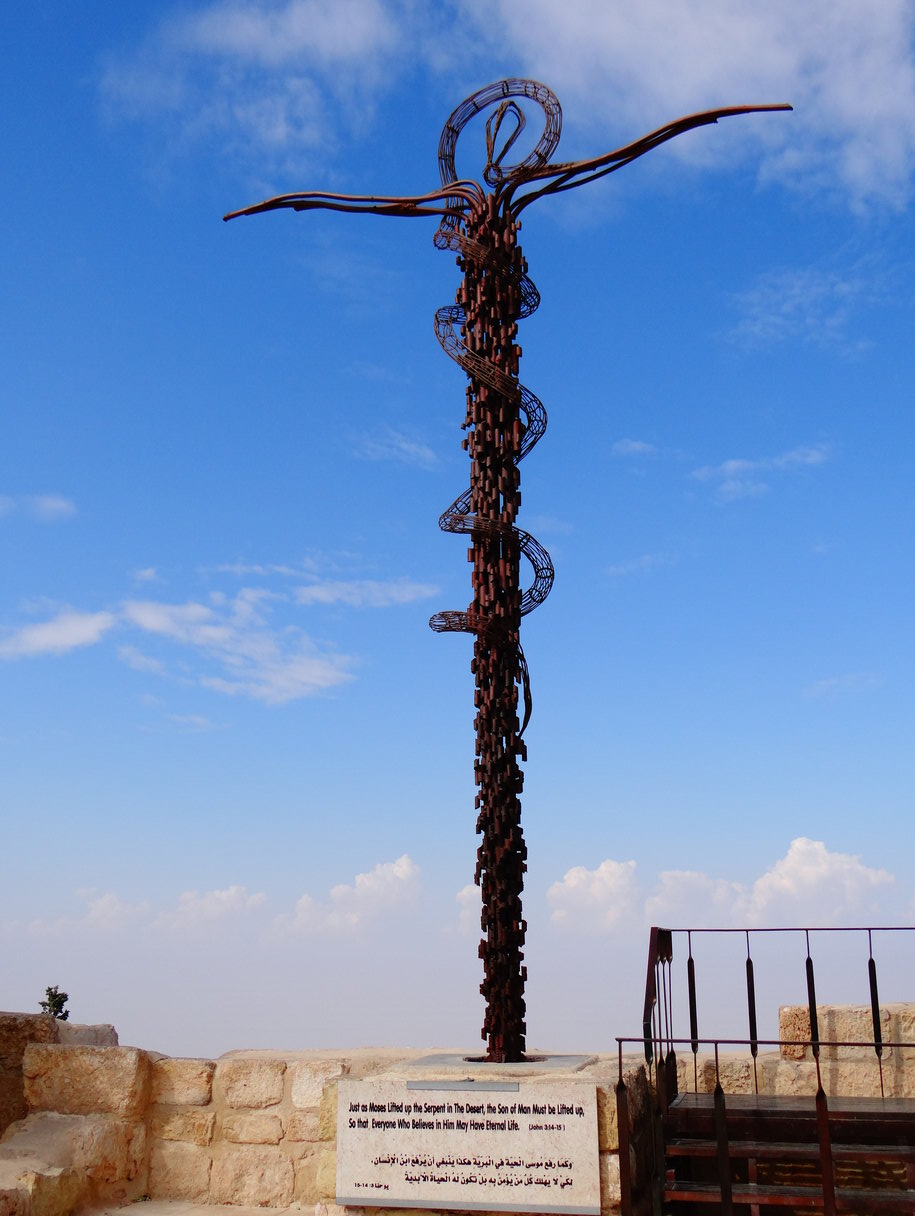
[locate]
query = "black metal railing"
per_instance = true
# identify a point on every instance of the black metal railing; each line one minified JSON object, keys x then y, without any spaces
{"x":660,"y":1040}
{"x":658,"y":1028}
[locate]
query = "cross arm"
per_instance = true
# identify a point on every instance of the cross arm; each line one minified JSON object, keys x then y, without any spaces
{"x":577,"y":173}
{"x":454,"y":199}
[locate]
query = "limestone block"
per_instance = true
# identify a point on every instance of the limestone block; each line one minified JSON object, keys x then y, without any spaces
{"x":326,"y":1177}
{"x":252,"y":1175}
{"x":247,"y":1082}
{"x":309,"y":1077}
{"x":327,"y":1114}
{"x":19,"y":1029}
{"x":793,"y":1023}
{"x":100,"y":1147}
{"x":734,"y":1072}
{"x":249,"y":1127}
{"x":306,"y":1174}
{"x":303,"y":1125}
{"x":610,"y":1189}
{"x":850,"y":1023}
{"x":101,"y":1035}
{"x":607,"y":1123}
{"x":54,"y":1190}
{"x":837,"y":1024}
{"x":179,"y":1171}
{"x":182,"y":1082}
{"x":86,"y":1080}
{"x":193,"y":1125}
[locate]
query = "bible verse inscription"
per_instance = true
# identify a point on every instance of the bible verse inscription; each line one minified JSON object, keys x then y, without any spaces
{"x":516,"y":1147}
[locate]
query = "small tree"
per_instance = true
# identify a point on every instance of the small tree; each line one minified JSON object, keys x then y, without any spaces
{"x":55,"y":1003}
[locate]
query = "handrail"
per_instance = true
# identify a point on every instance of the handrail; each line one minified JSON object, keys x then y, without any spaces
{"x":658,"y":1031}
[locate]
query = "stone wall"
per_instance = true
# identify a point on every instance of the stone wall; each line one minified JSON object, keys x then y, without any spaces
{"x":115,"y":1124}
{"x":17,"y":1030}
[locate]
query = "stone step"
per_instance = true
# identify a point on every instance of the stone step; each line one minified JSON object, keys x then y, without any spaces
{"x":30,"y":1187}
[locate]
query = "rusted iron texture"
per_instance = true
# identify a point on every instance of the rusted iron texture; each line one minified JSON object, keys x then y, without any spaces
{"x":504,"y":420}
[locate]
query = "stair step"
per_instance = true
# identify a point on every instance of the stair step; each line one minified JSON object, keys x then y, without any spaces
{"x":686,"y":1147}
{"x":847,"y":1200}
{"x":746,"y":1192}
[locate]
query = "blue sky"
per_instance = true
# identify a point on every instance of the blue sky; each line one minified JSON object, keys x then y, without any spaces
{"x":236,"y":765}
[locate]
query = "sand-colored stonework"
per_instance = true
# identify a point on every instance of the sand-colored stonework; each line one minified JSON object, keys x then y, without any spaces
{"x":252,"y":1128}
{"x":110,"y":1125}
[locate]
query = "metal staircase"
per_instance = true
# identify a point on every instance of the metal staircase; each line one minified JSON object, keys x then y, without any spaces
{"x":717,"y":1153}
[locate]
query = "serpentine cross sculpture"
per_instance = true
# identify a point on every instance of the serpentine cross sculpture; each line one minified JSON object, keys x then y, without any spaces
{"x":504,"y":420}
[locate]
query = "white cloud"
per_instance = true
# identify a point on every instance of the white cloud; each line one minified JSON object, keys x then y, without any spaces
{"x":392,"y":445}
{"x":689,"y":897}
{"x":48,"y":508}
{"x":812,"y":885}
{"x":808,"y":886}
{"x":67,"y":631}
{"x":470,"y":908}
{"x":594,"y":901}
{"x":633,"y":447}
{"x":140,"y":662}
{"x":274,"y":666}
{"x":364,"y":593}
{"x":275,"y":80}
{"x":147,"y":575}
{"x":103,"y":911}
{"x":193,"y":723}
{"x":243,"y":569}
{"x":740,"y":478}
{"x":798,"y":457}
{"x":246,"y":644}
{"x":271,"y":82}
{"x":321,"y":32}
{"x":109,"y":911}
{"x":51,"y":507}
{"x":389,"y":886}
{"x":847,"y":67}
{"x":196,"y":909}
{"x":805,"y":304}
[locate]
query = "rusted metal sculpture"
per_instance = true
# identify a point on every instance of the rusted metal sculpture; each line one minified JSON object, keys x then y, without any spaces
{"x":504,"y":420}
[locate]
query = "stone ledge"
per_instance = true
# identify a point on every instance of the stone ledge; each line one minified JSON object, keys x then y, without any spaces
{"x":86,"y":1080}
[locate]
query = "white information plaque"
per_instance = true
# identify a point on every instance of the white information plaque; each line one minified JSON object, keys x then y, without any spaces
{"x":472,"y":1145}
